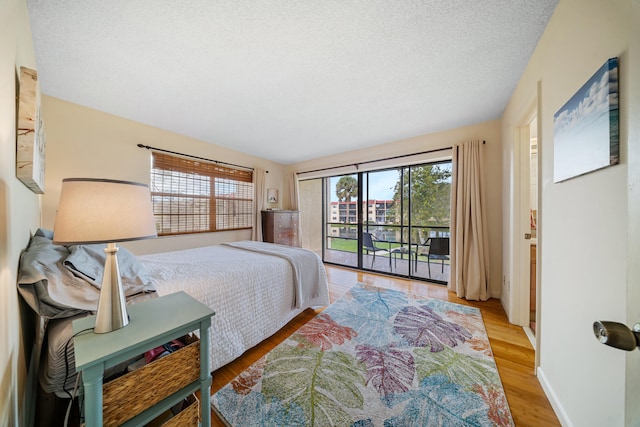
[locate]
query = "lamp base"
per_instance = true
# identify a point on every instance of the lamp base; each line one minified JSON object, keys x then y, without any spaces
{"x":112,"y":305}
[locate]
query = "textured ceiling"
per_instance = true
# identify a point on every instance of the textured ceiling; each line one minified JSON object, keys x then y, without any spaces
{"x":288,"y":80}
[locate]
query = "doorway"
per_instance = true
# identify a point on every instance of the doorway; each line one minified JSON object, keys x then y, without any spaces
{"x":527,"y":232}
{"x":533,"y":223}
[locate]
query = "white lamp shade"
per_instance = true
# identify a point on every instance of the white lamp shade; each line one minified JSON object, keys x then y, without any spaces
{"x":103,"y":211}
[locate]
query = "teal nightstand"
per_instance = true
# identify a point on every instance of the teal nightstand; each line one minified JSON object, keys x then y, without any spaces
{"x":152,"y":324}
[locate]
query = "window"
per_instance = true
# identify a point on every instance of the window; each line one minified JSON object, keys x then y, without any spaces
{"x":192,"y":196}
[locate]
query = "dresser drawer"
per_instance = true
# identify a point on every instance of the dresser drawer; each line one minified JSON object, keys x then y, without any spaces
{"x":286,"y":222}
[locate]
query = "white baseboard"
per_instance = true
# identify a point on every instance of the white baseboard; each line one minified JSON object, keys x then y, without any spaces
{"x":553,"y":399}
{"x":529,"y":333}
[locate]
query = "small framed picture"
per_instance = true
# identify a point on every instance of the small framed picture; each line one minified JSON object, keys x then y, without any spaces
{"x":272,"y":195}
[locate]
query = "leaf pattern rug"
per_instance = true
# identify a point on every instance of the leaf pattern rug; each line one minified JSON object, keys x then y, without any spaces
{"x":375,"y":357}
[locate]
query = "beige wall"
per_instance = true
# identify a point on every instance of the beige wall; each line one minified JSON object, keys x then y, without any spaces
{"x":19,"y":213}
{"x":489,"y":131}
{"x":583,"y":221}
{"x":82,"y":142}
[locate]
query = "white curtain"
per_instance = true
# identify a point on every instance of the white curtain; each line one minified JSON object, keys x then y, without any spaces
{"x":258,"y":203}
{"x":294,"y":199}
{"x":294,"y":191}
{"x":469,"y":245}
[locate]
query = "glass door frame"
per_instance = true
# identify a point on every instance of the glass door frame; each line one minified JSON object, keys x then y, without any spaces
{"x":362,"y":223}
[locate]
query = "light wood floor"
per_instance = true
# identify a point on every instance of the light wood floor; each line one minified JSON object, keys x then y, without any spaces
{"x":512,"y":350}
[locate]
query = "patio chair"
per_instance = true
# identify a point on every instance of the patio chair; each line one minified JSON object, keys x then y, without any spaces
{"x":437,"y":248}
{"x":368,"y":245}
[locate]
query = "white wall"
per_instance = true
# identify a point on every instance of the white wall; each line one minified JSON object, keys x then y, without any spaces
{"x":19,"y":211}
{"x":82,"y":142}
{"x":489,"y":131}
{"x":582,"y":221}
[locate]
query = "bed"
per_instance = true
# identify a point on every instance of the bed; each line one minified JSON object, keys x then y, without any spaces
{"x":255,"y":289}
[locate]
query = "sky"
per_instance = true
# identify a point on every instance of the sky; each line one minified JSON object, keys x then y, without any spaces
{"x":381,"y":185}
{"x":592,"y":100}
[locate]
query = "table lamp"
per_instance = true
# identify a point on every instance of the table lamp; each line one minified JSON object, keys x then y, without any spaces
{"x":105,"y":211}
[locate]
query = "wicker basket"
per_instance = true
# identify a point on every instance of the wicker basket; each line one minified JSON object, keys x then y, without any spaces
{"x":188,"y":417}
{"x":131,"y":394}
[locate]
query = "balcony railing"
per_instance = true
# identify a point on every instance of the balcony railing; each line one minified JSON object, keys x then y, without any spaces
{"x":405,"y":246}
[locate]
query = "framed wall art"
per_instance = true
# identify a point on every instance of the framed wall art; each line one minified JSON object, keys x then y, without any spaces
{"x":272,"y":195}
{"x":586,"y":136}
{"x":30,"y":145}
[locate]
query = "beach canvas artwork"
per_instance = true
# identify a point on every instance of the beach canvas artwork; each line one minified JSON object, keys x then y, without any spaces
{"x":586,"y":127}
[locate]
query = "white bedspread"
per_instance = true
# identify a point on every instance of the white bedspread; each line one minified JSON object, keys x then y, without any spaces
{"x":309,"y":275}
{"x":250,"y":292}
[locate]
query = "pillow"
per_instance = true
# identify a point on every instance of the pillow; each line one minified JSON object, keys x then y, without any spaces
{"x":55,"y":291}
{"x":87,"y":262}
{"x":44,"y":233}
{"x":51,"y":290}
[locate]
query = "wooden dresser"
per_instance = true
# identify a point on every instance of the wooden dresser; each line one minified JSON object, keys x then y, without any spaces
{"x":281,"y":227}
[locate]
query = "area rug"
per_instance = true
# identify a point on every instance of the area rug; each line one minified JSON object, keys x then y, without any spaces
{"x":375,"y":357}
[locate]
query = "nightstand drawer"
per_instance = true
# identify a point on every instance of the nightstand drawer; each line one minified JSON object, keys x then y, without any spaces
{"x":129,"y":395}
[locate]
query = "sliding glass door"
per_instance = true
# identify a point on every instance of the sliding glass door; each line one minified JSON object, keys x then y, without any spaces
{"x":381,"y":224}
{"x":427,"y":211}
{"x":394,"y":221}
{"x":341,"y":209}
